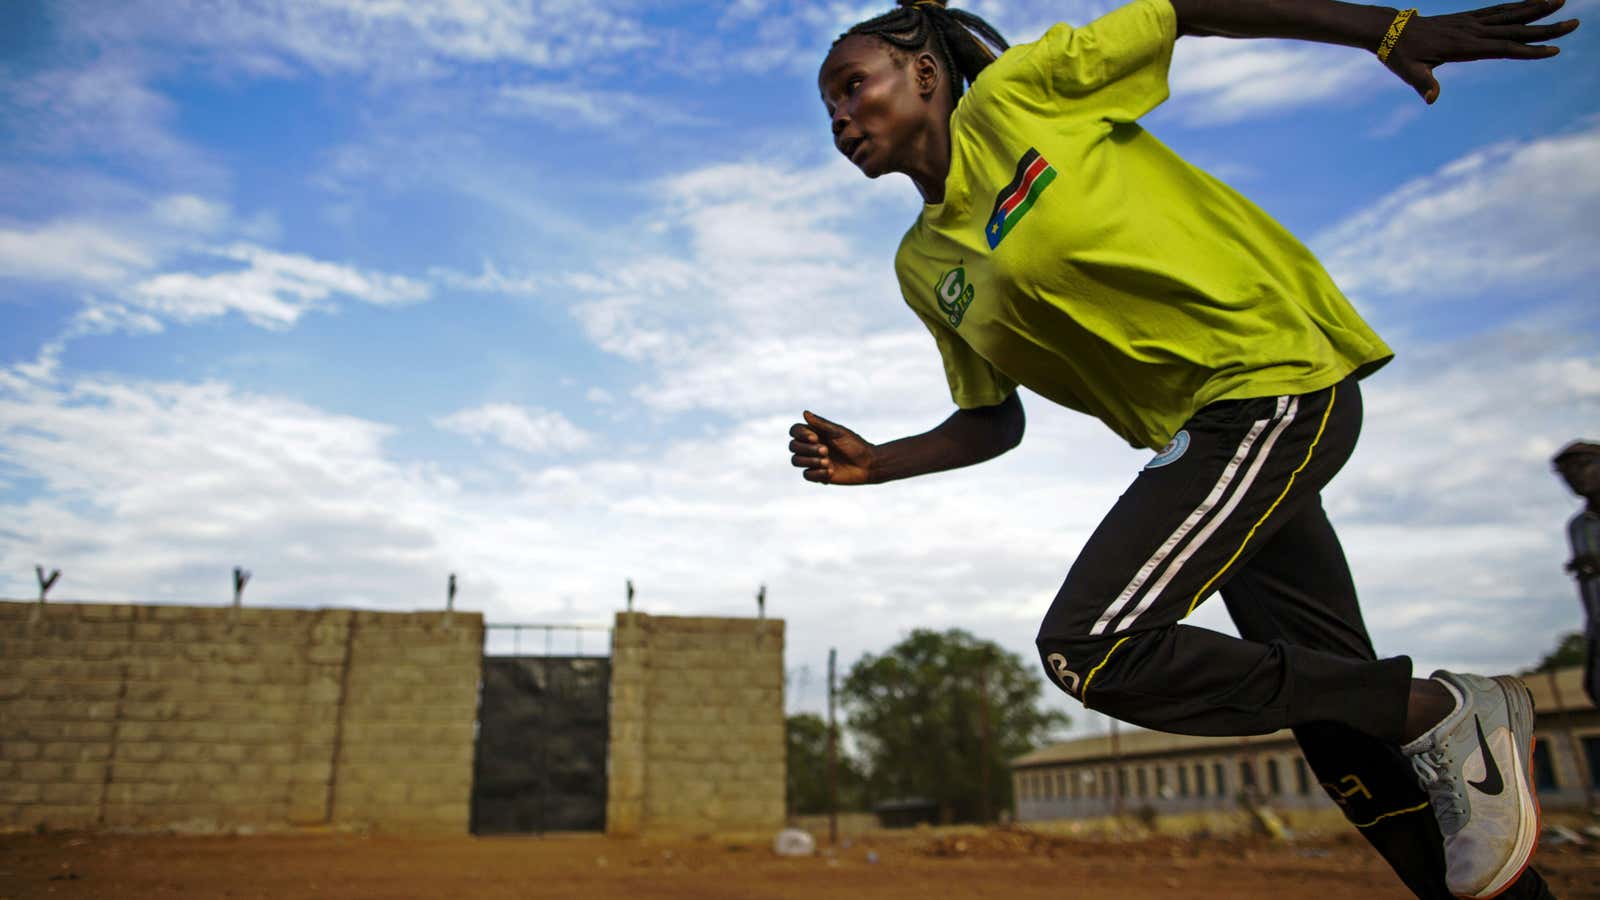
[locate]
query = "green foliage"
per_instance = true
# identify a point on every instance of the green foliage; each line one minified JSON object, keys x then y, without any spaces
{"x":807,"y":737}
{"x":1570,"y":650}
{"x":917,"y":714}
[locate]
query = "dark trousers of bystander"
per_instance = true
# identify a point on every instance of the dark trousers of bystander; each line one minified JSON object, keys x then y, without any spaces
{"x":1234,"y":505}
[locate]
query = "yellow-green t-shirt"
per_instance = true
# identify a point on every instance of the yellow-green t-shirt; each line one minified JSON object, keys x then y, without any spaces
{"x":1077,"y":255}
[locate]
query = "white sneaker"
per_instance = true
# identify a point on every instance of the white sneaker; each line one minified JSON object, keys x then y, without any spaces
{"x":1475,"y":766}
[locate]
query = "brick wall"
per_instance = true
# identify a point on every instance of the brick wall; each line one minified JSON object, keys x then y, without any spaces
{"x":206,"y":718}
{"x":697,"y":738}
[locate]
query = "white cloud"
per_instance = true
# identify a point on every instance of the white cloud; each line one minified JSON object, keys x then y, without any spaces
{"x":530,"y":430}
{"x":1396,"y":121}
{"x":273,"y":291}
{"x":71,"y":251}
{"x":1459,"y":435}
{"x":1220,"y":80}
{"x":573,"y":105}
{"x":781,"y":288}
{"x":1451,"y":514}
{"x":491,"y":281}
{"x":189,"y":213}
{"x":154,"y":490}
{"x":107,"y":248}
{"x":118,"y":255}
{"x":102,"y":108}
{"x":394,"y":40}
{"x":1510,"y":217}
{"x":81,"y":105}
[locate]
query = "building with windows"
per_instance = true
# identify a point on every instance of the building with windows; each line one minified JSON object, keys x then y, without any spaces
{"x":1140,"y":772}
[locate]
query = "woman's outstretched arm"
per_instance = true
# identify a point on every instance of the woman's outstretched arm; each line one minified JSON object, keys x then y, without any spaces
{"x":1424,"y":42}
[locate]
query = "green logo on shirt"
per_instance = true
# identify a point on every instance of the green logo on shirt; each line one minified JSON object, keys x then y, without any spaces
{"x":954,"y":295}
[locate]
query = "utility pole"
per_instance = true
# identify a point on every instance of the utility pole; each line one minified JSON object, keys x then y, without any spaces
{"x":983,"y":730}
{"x":833,"y":765}
{"x":1117,"y":779}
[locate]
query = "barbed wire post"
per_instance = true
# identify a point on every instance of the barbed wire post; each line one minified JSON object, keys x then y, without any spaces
{"x":46,"y":582}
{"x":450,"y":601}
{"x":240,"y":579}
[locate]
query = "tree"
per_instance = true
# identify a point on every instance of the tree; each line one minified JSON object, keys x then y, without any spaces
{"x":1571,"y":650}
{"x":807,"y":738}
{"x":917,"y":713}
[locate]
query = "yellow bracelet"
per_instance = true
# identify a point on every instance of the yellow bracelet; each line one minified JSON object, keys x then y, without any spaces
{"x":1395,"y":27}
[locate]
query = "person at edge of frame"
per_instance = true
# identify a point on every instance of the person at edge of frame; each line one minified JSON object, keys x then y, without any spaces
{"x":1578,"y":464}
{"x":1063,"y":248}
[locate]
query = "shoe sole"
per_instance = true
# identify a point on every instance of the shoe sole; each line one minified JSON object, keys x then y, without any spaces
{"x":1519,"y":715}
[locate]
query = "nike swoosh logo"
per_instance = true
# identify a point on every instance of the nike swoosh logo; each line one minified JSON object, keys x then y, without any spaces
{"x":1492,"y":783}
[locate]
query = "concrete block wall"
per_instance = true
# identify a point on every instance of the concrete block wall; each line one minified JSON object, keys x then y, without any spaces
{"x":697,"y":734}
{"x":410,"y":704}
{"x":204,"y":718}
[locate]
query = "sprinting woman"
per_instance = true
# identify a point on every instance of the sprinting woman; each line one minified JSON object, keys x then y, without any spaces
{"x":1063,"y":248}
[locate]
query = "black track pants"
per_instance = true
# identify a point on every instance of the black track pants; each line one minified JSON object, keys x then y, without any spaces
{"x":1234,"y":505}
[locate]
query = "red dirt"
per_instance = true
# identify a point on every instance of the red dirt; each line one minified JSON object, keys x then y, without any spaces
{"x":1001,"y":864}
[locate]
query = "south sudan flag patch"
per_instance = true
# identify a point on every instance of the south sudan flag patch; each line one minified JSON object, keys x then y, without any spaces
{"x":1034,"y":174}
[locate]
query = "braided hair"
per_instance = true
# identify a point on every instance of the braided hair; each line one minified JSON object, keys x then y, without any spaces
{"x":964,"y":42}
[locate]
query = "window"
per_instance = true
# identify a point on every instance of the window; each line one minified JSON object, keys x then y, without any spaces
{"x":1247,"y":774}
{"x":1274,"y":785}
{"x":1544,"y":770}
{"x":1199,"y":779}
{"x":1183,"y":781}
{"x":1061,"y":785}
{"x":1219,"y":783}
{"x":1591,"y":752}
{"x":1139,"y":774}
{"x":1302,"y":775}
{"x":1161,"y":781}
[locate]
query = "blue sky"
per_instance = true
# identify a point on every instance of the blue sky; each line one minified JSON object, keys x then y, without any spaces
{"x":357,"y":294}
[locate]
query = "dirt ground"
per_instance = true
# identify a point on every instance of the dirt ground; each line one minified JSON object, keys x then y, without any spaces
{"x":919,"y":865}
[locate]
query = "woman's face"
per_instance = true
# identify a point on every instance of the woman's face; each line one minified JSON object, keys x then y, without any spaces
{"x":877,"y":102}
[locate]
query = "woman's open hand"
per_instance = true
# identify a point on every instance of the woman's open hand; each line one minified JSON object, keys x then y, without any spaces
{"x":1494,"y":32}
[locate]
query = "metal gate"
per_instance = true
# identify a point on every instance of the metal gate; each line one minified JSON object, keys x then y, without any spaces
{"x":542,"y":736}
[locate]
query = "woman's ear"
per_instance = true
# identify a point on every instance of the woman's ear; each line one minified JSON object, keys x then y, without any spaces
{"x":927,"y":72}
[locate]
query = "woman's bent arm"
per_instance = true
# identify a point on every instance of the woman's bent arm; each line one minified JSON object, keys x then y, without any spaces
{"x":832,"y":454}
